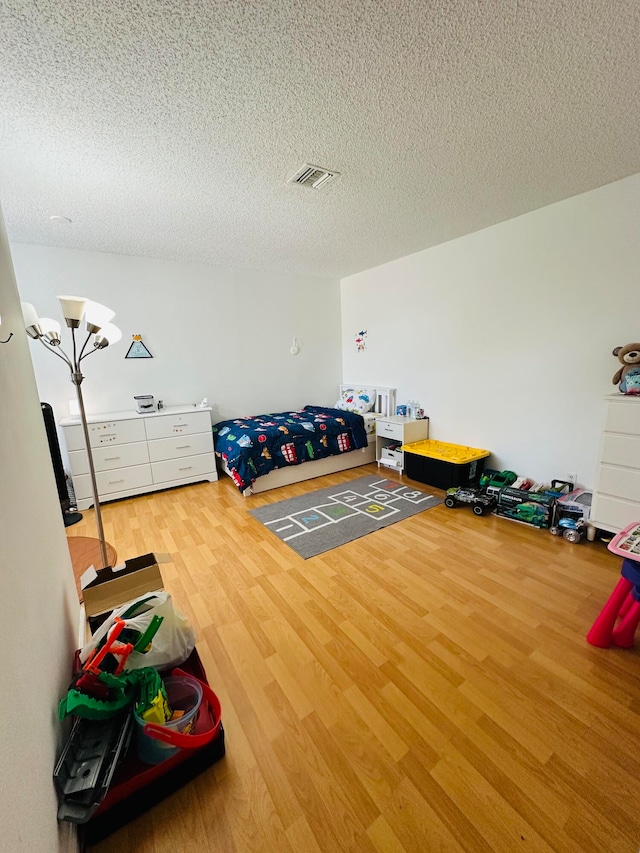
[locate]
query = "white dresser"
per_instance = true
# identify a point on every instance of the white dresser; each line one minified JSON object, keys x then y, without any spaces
{"x":616,"y":497}
{"x":134,"y":454}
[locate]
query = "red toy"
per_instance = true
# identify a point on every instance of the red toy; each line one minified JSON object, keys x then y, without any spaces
{"x":120,"y":651}
{"x":624,"y":601}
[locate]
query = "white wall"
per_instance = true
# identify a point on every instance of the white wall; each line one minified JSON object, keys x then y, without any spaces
{"x":38,"y":601}
{"x":505,"y":335}
{"x":220,"y":333}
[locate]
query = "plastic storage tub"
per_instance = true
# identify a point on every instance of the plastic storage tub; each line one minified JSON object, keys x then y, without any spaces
{"x":184,"y":694}
{"x":443,"y":465}
{"x":132,"y":786}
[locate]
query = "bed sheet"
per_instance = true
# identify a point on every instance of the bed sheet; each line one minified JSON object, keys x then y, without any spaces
{"x":252,"y":447}
{"x":370,"y":419}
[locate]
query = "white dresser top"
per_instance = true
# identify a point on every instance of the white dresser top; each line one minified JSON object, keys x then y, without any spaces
{"x":133,"y":415}
{"x":623,"y":398}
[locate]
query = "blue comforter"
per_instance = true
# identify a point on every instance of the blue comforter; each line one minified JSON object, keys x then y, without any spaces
{"x":254,"y":446}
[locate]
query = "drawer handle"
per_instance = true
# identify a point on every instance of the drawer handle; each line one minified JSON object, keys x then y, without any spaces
{"x":111,"y":482}
{"x":188,"y":468}
{"x":111,"y":458}
{"x":182,"y":446}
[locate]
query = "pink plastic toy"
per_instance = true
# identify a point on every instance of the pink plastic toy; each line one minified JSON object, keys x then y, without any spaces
{"x":624,"y":601}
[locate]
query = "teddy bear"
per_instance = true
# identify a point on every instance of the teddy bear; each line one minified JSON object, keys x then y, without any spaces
{"x":629,"y":374}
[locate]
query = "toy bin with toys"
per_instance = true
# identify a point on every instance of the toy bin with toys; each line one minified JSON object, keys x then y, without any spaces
{"x":443,"y":465}
{"x":138,"y":673}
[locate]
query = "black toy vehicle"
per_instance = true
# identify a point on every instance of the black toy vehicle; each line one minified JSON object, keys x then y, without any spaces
{"x":480,"y":502}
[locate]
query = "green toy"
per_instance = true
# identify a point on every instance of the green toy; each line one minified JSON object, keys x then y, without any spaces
{"x":109,"y":693}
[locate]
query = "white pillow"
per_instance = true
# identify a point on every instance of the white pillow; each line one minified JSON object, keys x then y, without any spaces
{"x":356,"y":400}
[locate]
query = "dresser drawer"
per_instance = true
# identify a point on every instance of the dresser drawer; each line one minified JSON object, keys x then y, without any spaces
{"x":109,"y":458}
{"x":619,"y":482}
{"x":104,"y":434}
{"x":82,"y":488}
{"x":181,"y":469}
{"x":387,"y":429}
{"x":111,"y":482}
{"x":124,"y":479}
{"x":78,"y":463}
{"x":624,"y":417}
{"x":613,"y":513}
{"x":169,"y":426}
{"x":73,"y":437}
{"x":621,"y":450}
{"x":180,"y":446}
{"x":113,"y":432}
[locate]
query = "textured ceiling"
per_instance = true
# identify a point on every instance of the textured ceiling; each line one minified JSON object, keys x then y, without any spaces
{"x":168,"y":129}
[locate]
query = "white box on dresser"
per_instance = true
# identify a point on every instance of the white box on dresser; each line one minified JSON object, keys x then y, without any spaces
{"x":616,"y":497}
{"x":138,"y":453}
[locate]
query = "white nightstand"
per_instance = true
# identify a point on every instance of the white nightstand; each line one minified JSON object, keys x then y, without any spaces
{"x":395,"y":430}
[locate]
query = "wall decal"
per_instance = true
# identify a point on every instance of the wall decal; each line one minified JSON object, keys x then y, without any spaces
{"x":361,"y":341}
{"x":138,"y":349}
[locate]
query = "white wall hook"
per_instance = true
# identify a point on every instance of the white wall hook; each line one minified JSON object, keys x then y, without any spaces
{"x":295,"y":349}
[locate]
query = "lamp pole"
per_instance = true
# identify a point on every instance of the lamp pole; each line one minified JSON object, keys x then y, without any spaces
{"x":77,"y":378}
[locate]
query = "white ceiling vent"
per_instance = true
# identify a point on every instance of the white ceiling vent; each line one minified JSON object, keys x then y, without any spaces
{"x":313,"y":176}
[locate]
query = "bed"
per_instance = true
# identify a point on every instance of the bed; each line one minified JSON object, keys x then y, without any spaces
{"x":268,"y":451}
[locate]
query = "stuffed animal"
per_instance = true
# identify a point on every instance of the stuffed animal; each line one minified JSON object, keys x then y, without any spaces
{"x":629,"y":374}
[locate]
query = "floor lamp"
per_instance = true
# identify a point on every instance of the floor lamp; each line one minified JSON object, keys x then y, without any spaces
{"x":98,"y":327}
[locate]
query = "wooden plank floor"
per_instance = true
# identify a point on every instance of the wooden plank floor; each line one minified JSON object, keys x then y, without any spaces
{"x":425,"y":688}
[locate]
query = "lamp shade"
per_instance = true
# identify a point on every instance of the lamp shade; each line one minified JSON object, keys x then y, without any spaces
{"x":97,"y":315}
{"x":107,"y":336}
{"x":72,"y":309}
{"x":48,"y":325}
{"x":50,"y":329}
{"x":29,"y":314}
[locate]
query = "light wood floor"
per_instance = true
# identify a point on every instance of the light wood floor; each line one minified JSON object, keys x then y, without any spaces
{"x":425,"y":688}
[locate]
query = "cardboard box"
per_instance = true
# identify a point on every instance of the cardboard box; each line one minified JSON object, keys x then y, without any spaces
{"x":105,"y":589}
{"x":527,"y":507}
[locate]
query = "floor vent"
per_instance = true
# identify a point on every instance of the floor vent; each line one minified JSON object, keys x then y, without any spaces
{"x":313,"y":176}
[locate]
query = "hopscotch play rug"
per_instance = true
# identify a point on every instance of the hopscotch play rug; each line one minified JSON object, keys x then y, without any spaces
{"x":322,"y":520}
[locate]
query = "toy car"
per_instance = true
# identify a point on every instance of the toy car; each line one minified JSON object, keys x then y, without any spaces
{"x":485,"y":477}
{"x":572,"y":529}
{"x":500,"y":480}
{"x":481,"y":503}
{"x":571,"y":514}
